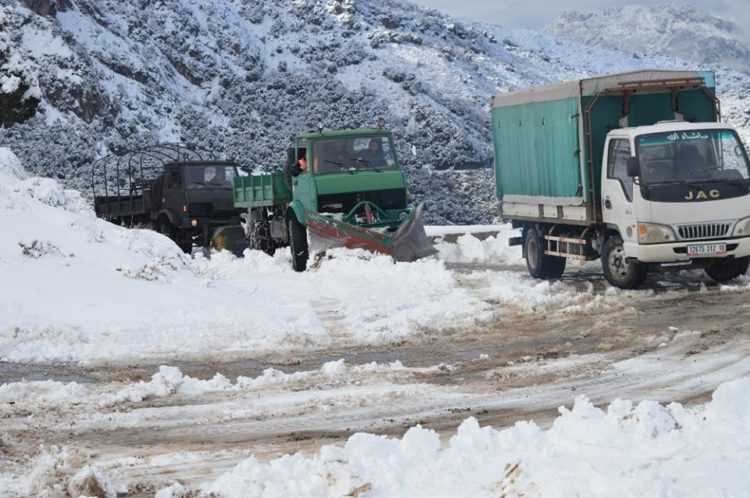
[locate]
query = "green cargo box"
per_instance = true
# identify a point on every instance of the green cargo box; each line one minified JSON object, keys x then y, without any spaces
{"x":261,"y":190}
{"x":549,"y":140}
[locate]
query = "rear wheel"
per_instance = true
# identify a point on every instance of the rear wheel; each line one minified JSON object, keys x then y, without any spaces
{"x":618,"y":270}
{"x":541,"y":265}
{"x":298,"y":245}
{"x":725,"y":269}
{"x":259,"y":232}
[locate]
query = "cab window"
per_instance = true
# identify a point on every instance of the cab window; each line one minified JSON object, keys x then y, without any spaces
{"x":619,"y":152}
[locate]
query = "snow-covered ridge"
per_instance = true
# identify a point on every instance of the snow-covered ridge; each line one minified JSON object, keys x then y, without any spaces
{"x":242,"y":78}
{"x":674,"y":30}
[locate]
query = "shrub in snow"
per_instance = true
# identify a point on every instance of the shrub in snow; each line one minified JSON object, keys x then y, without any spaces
{"x":36,"y":249}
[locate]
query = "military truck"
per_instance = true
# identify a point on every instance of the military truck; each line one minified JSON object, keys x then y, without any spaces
{"x":635,"y":169}
{"x":352,"y":194}
{"x":172,"y":189}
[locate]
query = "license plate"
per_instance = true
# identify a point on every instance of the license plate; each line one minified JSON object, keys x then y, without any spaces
{"x":706,"y":249}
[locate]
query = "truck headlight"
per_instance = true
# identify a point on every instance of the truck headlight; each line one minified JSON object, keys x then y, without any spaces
{"x":651,"y":233}
{"x":742,"y":228}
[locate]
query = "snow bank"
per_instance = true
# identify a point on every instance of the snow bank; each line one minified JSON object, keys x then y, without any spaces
{"x":626,"y":450}
{"x":170,"y":381}
{"x":77,"y":289}
{"x":45,"y":392}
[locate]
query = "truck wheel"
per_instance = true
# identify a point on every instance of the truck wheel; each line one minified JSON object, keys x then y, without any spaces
{"x":259,"y":232}
{"x":185,"y":242}
{"x":725,"y":269}
{"x":169,"y":230}
{"x":618,"y":270}
{"x":298,"y":245}
{"x":165,"y":228}
{"x":541,"y":265}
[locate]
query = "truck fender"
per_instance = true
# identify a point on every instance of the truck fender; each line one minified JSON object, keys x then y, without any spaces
{"x":167,"y":213}
{"x":295,"y":210}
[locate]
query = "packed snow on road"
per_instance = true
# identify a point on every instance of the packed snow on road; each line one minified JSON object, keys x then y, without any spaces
{"x":128,"y":368}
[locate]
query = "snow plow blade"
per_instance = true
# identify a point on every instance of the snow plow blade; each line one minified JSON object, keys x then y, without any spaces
{"x":410,"y":242}
{"x":403,"y":240}
{"x":230,"y":238}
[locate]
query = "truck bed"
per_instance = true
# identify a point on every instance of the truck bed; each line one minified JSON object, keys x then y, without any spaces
{"x":120,"y":206}
{"x":256,"y":191}
{"x":549,"y":141}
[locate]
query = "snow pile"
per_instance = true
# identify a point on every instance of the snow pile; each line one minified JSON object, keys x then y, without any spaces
{"x":628,"y":450}
{"x":167,"y":381}
{"x":493,"y":250}
{"x":170,"y":381}
{"x":42,"y":392}
{"x":11,"y":170}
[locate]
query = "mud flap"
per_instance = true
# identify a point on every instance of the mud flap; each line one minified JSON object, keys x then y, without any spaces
{"x":230,"y":238}
{"x":410,"y":242}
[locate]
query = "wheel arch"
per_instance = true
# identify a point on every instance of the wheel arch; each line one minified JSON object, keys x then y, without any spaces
{"x":296,"y":211}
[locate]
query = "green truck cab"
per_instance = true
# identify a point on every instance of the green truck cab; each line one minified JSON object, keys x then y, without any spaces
{"x":352,"y":193}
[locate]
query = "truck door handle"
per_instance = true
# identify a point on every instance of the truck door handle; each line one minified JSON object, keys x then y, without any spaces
{"x":608,"y":204}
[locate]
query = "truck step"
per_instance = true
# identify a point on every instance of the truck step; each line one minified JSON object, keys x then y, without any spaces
{"x":568,"y":247}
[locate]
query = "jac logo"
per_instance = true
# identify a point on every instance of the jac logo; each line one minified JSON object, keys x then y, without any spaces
{"x":701,"y":195}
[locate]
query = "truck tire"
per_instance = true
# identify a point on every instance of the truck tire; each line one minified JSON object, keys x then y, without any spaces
{"x":259,"y":232}
{"x":725,"y":269}
{"x":619,"y":271}
{"x":185,"y":242}
{"x":298,"y":245}
{"x":541,"y":265}
{"x":166,"y":228}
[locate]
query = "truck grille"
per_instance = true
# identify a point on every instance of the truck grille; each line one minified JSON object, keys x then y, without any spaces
{"x":704,"y":231}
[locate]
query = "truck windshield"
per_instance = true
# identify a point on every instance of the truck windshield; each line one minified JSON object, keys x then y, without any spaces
{"x":353,"y":154}
{"x":208,"y":175}
{"x":702,"y":156}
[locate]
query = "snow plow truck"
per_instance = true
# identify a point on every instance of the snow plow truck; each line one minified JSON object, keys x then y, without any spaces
{"x":340,"y":188}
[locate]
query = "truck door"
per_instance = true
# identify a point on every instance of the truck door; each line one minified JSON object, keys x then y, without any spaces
{"x":617,"y":190}
{"x":173,"y":197}
{"x":303,"y":185}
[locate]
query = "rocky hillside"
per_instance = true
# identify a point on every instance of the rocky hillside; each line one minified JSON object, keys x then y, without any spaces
{"x":677,"y":30}
{"x":86,"y":77}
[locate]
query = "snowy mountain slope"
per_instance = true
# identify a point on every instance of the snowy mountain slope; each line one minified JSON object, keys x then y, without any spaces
{"x":675,"y":30}
{"x":242,"y":77}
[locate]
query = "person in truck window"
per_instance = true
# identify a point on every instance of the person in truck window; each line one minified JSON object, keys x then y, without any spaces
{"x":301,"y":165}
{"x":333,"y":156}
{"x":374,"y":154}
{"x":690,"y":162}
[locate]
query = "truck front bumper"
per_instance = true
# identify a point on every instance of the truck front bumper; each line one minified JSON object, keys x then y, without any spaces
{"x":677,"y":252}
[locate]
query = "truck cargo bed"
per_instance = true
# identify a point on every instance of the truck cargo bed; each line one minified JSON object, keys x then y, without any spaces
{"x":549,"y":141}
{"x":120,"y":206}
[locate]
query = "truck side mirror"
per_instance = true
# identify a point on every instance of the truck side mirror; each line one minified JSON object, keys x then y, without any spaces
{"x":634,"y":167}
